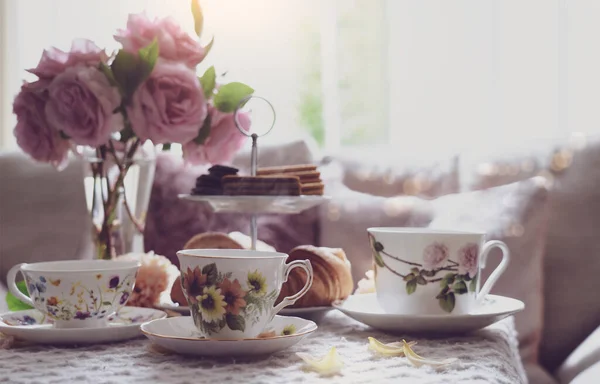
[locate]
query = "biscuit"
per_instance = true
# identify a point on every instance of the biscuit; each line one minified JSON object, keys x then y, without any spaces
{"x":261,"y":185}
{"x":312,"y":189}
{"x":285,"y":169}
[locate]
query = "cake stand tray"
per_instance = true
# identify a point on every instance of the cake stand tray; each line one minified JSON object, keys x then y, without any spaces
{"x":258,"y":204}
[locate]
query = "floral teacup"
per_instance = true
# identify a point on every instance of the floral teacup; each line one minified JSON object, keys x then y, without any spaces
{"x":231,"y":293}
{"x":421,"y":271}
{"x":77,"y":293}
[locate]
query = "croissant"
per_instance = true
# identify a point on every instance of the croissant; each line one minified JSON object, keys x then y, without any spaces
{"x":332,"y":279}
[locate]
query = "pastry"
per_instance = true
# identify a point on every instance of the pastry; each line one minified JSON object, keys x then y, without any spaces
{"x":310,"y":178}
{"x":210,"y":184}
{"x":312,"y":189}
{"x":212,"y":240}
{"x":177,"y":295}
{"x":261,"y":185}
{"x":332,"y":279}
{"x":286,"y":169}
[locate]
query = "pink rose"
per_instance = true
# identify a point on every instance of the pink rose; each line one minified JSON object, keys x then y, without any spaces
{"x":170,"y":106}
{"x":54,"y":61}
{"x":467,"y":259}
{"x":81,"y":105}
{"x":223,"y":142}
{"x":173,"y":43}
{"x":435,"y":256}
{"x":33,"y":133}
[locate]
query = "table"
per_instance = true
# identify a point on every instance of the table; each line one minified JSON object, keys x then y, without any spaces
{"x":487,"y":356}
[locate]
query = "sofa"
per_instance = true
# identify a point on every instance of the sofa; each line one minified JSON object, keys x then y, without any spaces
{"x":542,"y":199}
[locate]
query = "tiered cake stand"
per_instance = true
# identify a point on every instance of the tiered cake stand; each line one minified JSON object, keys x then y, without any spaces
{"x":255,"y":205}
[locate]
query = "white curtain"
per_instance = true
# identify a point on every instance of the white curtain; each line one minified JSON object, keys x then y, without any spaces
{"x":422,"y":76}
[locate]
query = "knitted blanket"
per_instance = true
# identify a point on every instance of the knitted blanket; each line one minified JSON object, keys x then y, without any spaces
{"x":487,"y":356}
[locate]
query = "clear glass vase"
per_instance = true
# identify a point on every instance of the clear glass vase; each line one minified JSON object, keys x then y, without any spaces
{"x":117,"y":194}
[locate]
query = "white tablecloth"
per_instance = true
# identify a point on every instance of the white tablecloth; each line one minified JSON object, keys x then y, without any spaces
{"x":488,"y":356}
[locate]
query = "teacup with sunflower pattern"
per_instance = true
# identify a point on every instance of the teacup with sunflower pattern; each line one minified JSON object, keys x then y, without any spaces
{"x":232,"y":293}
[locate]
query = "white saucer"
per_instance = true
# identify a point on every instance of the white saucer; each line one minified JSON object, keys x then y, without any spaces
{"x":178,"y":335}
{"x":365,"y":308}
{"x":315,"y":314}
{"x":32,"y":325}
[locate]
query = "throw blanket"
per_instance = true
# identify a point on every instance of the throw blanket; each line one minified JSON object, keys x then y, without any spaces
{"x":488,"y":356}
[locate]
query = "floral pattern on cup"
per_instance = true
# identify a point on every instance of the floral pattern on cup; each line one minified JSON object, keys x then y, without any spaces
{"x":455,"y":276}
{"x":218,"y":300}
{"x":76,"y":301}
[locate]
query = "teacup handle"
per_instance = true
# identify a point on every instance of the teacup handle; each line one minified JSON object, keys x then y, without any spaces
{"x":289,"y":300}
{"x":11,"y":278}
{"x":487,"y":247}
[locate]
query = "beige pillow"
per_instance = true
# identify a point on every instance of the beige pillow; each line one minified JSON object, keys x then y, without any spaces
{"x":572,"y":257}
{"x":400,"y":174}
{"x":516,"y":214}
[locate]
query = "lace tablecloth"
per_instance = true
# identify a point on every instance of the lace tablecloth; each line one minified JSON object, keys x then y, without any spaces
{"x":487,"y":356}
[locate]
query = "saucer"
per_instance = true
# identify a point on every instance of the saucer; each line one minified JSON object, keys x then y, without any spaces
{"x":178,"y":334}
{"x":170,"y":306}
{"x":32,"y":325}
{"x":315,"y":314}
{"x":365,"y":308}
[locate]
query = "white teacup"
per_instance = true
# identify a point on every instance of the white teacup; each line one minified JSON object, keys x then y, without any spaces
{"x":424,"y":271}
{"x":76,"y":293}
{"x":231,"y":293}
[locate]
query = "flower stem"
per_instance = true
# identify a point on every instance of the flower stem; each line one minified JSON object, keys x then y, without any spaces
{"x":393,"y":271}
{"x":401,"y":260}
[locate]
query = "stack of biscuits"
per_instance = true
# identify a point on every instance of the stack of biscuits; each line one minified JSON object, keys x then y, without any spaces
{"x":212,"y":183}
{"x":307,"y":174}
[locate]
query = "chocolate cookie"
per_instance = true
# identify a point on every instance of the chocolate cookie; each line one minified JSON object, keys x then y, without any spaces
{"x":261,"y":185}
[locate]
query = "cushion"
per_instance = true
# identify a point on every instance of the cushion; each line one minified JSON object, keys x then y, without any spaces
{"x":515,"y":214}
{"x":401,"y":174}
{"x":345,"y":219}
{"x":572,"y":258}
{"x":44,"y":215}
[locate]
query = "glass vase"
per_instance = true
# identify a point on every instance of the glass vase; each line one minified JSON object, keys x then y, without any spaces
{"x":117,"y":194}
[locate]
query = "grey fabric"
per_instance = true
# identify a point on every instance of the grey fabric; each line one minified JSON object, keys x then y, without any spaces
{"x":43,"y":213}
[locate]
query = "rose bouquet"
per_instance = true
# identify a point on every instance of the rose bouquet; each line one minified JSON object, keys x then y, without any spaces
{"x":106,"y":107}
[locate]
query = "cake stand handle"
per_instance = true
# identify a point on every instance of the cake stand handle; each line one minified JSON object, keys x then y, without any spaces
{"x":254,"y":154}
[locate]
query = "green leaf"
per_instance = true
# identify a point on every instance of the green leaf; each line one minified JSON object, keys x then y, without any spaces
{"x":208,"y":82}
{"x":447,"y":280}
{"x":378,"y":259}
{"x":443,"y":292}
{"x":125,"y":71}
{"x":460,"y":287}
{"x":473,"y":284}
{"x":414,"y":270}
{"x":411,"y":286}
{"x":204,"y":131}
{"x":109,"y":74}
{"x":459,"y":277}
{"x":421,"y":280}
{"x":447,"y":302}
{"x":235,"y":322}
{"x":106,"y":303}
{"x":148,"y":56}
{"x":427,"y":273}
{"x":211,"y":273}
{"x":409,"y":277}
{"x":15,"y":304}
{"x":166,"y":147}
{"x":230,"y":95}
{"x":198,"y":17}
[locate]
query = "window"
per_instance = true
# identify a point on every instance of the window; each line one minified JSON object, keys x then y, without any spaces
{"x":423,"y":76}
